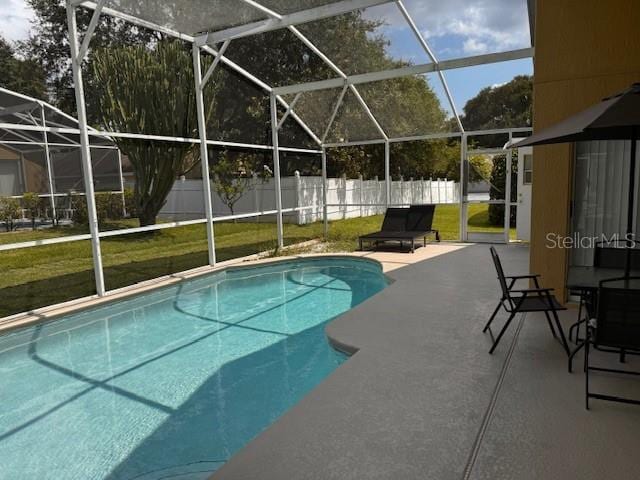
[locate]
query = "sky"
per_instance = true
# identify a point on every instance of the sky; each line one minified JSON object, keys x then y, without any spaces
{"x":452,"y":28}
{"x":460,"y":28}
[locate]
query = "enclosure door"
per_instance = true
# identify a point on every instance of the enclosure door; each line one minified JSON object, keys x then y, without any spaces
{"x":525,"y":177}
{"x":487,"y":185}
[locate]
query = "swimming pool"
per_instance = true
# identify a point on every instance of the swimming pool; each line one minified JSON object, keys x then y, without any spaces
{"x":171,"y":383}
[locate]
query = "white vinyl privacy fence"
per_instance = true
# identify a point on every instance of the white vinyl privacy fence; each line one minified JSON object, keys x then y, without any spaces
{"x":346,"y":198}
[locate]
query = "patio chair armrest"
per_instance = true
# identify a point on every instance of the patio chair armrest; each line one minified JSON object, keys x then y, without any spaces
{"x":534,"y":290}
{"x":530,"y":275}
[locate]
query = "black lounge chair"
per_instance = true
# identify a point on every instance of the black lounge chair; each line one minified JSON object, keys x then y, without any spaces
{"x":524,"y":300}
{"x":615,"y":329}
{"x":404,"y":225}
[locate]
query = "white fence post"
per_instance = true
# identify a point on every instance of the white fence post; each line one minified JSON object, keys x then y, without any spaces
{"x":361,"y":201}
{"x":299,"y":199}
{"x":256,"y":195}
{"x":376,"y":209}
{"x":325,"y":218}
{"x":344,"y":195}
{"x":411,"y":187}
{"x":387,"y":172}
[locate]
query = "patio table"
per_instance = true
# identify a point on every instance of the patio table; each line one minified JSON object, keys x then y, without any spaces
{"x":585,"y":281}
{"x":589,"y":278}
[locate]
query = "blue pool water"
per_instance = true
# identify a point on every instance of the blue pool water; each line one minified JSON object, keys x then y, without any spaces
{"x":170,"y":384}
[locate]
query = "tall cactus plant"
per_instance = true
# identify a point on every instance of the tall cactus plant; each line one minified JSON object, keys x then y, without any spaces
{"x":151,"y":90}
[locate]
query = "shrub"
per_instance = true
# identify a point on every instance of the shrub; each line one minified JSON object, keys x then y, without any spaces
{"x":9,"y":211}
{"x":44,"y":208}
{"x":79,"y":206}
{"x":31,"y":203}
{"x":108,"y":207}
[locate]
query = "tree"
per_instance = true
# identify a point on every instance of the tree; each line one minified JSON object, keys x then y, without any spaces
{"x":479,"y":168}
{"x":48,"y":46}
{"x":150,"y":90}
{"x":438,"y":158}
{"x":508,"y":105}
{"x":232,"y":174}
{"x":20,"y":75}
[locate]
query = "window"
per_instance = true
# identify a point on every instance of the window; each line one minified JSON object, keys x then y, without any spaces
{"x":527,"y":173}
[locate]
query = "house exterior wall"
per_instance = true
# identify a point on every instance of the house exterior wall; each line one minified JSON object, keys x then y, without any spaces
{"x":585,"y":50}
{"x":35,"y":174}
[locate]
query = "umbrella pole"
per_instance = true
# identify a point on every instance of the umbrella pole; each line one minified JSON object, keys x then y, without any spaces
{"x":631,"y":205}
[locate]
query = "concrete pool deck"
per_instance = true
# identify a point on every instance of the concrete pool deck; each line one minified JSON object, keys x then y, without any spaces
{"x":422,"y":399}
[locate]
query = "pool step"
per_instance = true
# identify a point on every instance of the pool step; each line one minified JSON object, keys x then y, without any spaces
{"x":191,"y":471}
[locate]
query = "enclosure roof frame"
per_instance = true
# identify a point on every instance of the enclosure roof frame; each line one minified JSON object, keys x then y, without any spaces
{"x":206,"y":40}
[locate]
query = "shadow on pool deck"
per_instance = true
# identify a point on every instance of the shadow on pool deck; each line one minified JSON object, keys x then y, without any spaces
{"x":422,"y":398}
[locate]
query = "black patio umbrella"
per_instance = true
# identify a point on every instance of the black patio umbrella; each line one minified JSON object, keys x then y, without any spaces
{"x":614,"y":118}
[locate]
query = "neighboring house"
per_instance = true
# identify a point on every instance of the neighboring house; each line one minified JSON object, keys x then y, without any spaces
{"x":26,"y":156}
{"x":584,"y":51}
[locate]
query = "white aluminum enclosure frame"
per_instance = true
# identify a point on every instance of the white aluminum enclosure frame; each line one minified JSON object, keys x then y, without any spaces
{"x":77,"y":56}
{"x":41,"y":125}
{"x":465,"y":153}
{"x":204,"y":43}
{"x":204,"y":148}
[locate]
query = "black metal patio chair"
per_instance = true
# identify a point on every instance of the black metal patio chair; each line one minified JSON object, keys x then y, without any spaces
{"x":516,"y":301}
{"x":616,"y":329}
{"x":606,"y":254}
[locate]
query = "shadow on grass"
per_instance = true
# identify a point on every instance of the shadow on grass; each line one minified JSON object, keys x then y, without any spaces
{"x":49,"y":291}
{"x":480,"y":220}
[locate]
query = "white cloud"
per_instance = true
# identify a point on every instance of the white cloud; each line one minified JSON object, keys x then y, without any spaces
{"x":473,"y":46}
{"x":15,"y":16}
{"x":478,"y":26}
{"x":484,"y":25}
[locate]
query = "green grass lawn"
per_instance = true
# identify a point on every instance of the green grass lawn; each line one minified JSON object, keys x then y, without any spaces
{"x":39,"y":276}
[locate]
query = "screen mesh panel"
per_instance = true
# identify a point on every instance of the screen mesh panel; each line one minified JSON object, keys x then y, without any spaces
{"x":195,"y":16}
{"x":364,"y":41}
{"x":406,"y":106}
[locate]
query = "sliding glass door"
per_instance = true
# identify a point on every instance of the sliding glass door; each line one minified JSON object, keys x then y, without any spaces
{"x":600,"y":196}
